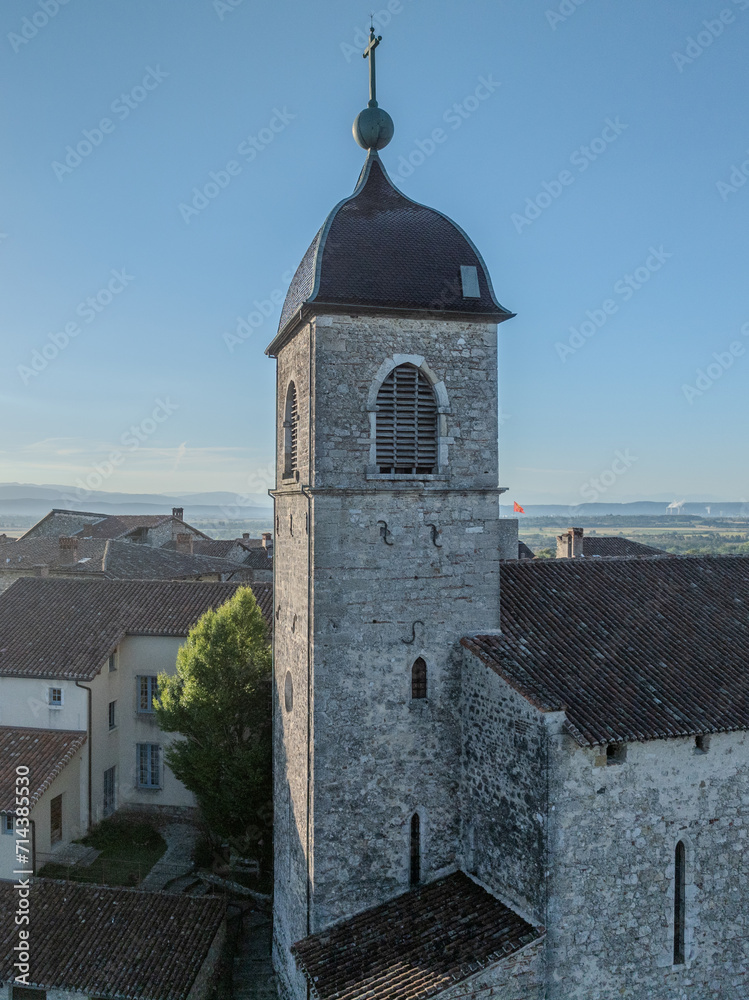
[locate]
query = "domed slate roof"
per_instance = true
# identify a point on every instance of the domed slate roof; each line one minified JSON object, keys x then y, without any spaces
{"x":378,"y":251}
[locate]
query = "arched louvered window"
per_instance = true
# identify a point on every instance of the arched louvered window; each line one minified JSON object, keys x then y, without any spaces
{"x":680,"y":902}
{"x":406,"y":423}
{"x":290,"y":432}
{"x":419,"y":679}
{"x":415,"y":849}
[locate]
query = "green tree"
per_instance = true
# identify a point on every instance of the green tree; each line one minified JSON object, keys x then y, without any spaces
{"x":220,"y":701}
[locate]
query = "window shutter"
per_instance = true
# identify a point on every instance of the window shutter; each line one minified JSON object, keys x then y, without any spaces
{"x":406,"y":423}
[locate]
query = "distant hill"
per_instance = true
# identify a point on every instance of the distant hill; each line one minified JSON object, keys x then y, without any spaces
{"x":638,"y":508}
{"x":28,"y":500}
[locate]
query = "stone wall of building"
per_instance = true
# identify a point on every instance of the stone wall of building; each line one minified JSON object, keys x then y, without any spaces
{"x":611,"y":891}
{"x":291,"y":714}
{"x":505,"y":795}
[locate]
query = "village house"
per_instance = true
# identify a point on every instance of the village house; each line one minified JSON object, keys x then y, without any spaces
{"x":575,"y":544}
{"x":95,"y":941}
{"x":84,"y":656}
{"x":49,"y":763}
{"x":145,"y":529}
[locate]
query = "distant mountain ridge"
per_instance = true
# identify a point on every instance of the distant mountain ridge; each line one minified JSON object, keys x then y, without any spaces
{"x":30,"y":500}
{"x":652,"y":508}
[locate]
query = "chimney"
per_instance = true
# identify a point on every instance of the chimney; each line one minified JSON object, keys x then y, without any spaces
{"x":184,"y":543}
{"x":68,"y":551}
{"x":268,"y":543}
{"x":245,"y":535}
{"x":179,"y":513}
{"x":570,"y":544}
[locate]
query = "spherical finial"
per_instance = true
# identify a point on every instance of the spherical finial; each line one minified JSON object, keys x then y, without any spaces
{"x":373,"y":128}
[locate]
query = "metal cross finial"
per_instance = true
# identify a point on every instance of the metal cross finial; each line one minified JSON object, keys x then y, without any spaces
{"x":369,"y":52}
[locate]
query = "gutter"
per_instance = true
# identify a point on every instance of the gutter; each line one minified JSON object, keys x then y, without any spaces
{"x":90,"y":733}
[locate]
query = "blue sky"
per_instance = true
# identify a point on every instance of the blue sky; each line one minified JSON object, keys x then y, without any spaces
{"x":600,"y":174}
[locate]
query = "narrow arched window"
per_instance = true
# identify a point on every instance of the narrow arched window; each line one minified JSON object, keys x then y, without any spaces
{"x":415,"y":849}
{"x":680,"y":902}
{"x":290,"y":432}
{"x":419,"y":679}
{"x":406,"y":423}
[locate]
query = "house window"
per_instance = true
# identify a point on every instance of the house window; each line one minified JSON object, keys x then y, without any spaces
{"x":7,"y":823}
{"x":55,"y":819}
{"x":112,"y":714}
{"x":55,"y":698}
{"x":415,"y":849}
{"x":148,"y":765}
{"x":291,"y":432}
{"x":28,"y":993}
{"x":616,"y":753}
{"x":148,"y":690}
{"x":110,"y":786}
{"x":419,"y":679}
{"x":406,"y":423}
{"x":701,"y":744}
{"x":680,"y":901}
{"x":113,"y":661}
{"x":288,"y":691}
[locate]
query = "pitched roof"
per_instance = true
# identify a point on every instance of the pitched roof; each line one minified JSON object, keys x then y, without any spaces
{"x":630,"y":649}
{"x":613,"y":545}
{"x":109,"y":942}
{"x":68,"y":628}
{"x":380,"y":251}
{"x":414,"y":946}
{"x":46,"y":752}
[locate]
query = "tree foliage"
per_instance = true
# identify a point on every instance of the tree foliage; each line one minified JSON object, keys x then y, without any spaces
{"x":220,"y":701}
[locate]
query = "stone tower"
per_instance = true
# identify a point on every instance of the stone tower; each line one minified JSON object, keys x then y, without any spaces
{"x":386,"y":551}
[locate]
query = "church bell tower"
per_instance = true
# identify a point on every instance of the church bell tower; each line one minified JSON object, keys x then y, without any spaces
{"x":386,"y":550}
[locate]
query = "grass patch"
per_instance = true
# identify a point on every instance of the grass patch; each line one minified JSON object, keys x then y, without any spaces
{"x":129,"y":850}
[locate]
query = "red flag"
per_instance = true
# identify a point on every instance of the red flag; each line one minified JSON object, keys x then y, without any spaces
{"x":517,"y":508}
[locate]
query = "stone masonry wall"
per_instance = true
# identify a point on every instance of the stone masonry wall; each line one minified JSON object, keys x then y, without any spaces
{"x":505,"y":755}
{"x":611,"y":909}
{"x":291,"y":571}
{"x":519,"y":977}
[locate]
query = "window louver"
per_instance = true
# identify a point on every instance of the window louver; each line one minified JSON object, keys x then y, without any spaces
{"x":406,"y":423}
{"x":291,"y":427}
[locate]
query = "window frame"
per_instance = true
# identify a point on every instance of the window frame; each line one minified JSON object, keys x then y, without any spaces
{"x":112,"y":661}
{"x":420,"y":681}
{"x":407,"y":424}
{"x":8,"y":824}
{"x":54,"y":704}
{"x":150,"y":749}
{"x":109,"y":803}
{"x":152,"y":682}
{"x":112,"y":713}
{"x":290,"y":429}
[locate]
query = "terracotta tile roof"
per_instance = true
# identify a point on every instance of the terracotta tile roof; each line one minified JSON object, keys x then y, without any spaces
{"x":613,"y":545}
{"x":258,"y":559}
{"x":68,"y":628}
{"x":120,"y":525}
{"x":219,"y":547}
{"x":46,"y":752}
{"x":414,"y":946}
{"x":630,"y":649}
{"x":106,"y":942}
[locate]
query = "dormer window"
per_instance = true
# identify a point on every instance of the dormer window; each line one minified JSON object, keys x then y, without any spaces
{"x":291,"y":434}
{"x":406,"y":424}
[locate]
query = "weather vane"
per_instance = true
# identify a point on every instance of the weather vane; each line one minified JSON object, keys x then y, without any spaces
{"x":373,"y":128}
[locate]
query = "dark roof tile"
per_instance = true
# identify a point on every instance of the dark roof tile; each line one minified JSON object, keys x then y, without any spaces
{"x":630,"y":649}
{"x":46,"y":752}
{"x":414,"y":946}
